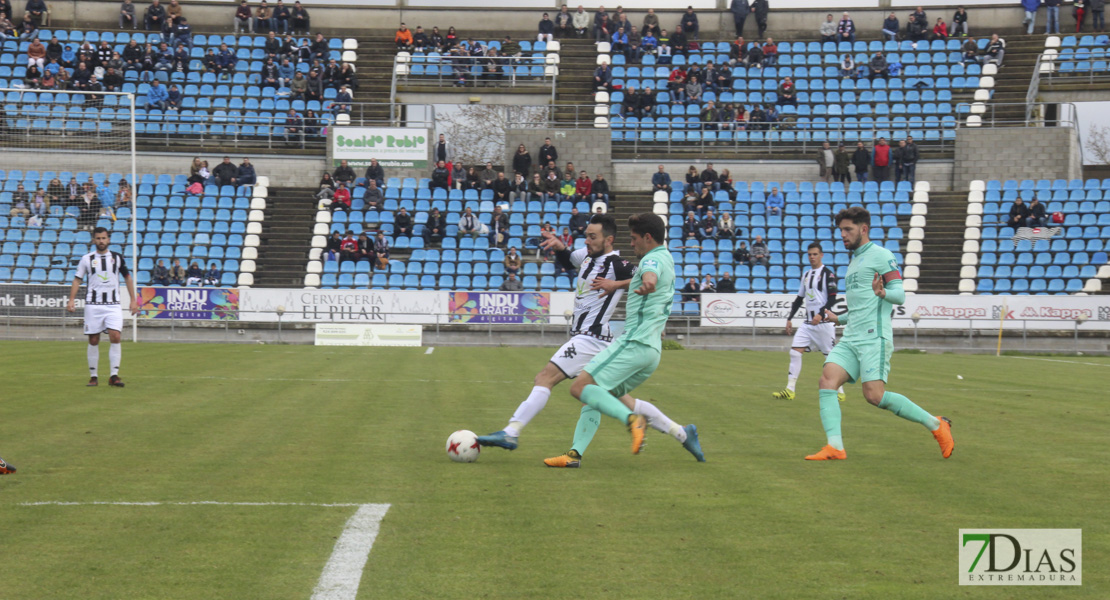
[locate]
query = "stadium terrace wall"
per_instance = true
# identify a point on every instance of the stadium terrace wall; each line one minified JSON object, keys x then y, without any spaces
{"x":588,"y":149}
{"x":636,"y":174}
{"x":293,"y":171}
{"x":522,"y":16}
{"x":1017,"y":153}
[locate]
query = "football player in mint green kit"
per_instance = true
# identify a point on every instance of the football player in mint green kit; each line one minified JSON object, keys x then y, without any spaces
{"x":873,"y":286}
{"x":632,"y":357}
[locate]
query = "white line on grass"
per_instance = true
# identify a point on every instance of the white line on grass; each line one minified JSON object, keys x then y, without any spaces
{"x":343,"y":571}
{"x":342,"y":574}
{"x":430,"y":350}
{"x":1056,"y":360}
{"x":198,"y":503}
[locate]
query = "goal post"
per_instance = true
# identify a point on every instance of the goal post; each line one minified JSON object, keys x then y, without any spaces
{"x":69,"y":166}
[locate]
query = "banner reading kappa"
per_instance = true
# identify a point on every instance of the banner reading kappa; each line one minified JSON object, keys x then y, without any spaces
{"x":392,"y":146}
{"x":341,"y":306}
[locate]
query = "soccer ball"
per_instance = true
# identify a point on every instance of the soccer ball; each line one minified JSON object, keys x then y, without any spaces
{"x":462,"y":446}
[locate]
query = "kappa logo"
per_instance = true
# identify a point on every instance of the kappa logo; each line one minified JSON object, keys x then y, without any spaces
{"x":570,"y":352}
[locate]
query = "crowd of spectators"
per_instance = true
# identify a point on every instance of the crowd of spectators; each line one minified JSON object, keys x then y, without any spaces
{"x":463,"y":54}
{"x":527,"y":183}
{"x":917,"y":27}
{"x":92,"y":200}
{"x":530,"y":179}
{"x":195,"y":275}
{"x":225,"y":173}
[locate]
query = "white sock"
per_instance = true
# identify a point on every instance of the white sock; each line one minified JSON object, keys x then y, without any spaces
{"x":527,"y":410}
{"x":115,"y":356}
{"x":840,"y":390}
{"x":795,"y":369}
{"x":94,"y":359}
{"x":659,"y":421}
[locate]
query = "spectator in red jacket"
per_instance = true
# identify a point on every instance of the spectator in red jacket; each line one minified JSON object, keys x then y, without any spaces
{"x":880,"y":159}
{"x":348,"y":248}
{"x":583,"y":187}
{"x":342,"y":198}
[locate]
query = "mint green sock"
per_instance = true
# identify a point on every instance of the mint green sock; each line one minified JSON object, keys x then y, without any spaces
{"x":830,"y":417}
{"x":905,"y":408}
{"x":588,"y":422}
{"x":605,"y":402}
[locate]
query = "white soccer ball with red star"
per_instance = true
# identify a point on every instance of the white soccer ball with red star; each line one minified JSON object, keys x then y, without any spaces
{"x":463,"y":446}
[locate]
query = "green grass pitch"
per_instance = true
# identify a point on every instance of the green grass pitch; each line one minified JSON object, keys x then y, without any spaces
{"x":355,"y":425}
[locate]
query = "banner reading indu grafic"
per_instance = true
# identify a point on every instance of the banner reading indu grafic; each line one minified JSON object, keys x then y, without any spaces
{"x":404,"y":147}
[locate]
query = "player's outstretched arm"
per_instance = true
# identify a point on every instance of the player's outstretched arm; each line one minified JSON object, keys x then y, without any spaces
{"x":649,"y":280}
{"x":70,"y":306}
{"x":608,"y":286}
{"x":831,"y":317}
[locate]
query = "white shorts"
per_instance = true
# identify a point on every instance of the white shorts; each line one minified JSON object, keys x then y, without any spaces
{"x":574,"y":355}
{"x":822,"y":337}
{"x":102,"y":317}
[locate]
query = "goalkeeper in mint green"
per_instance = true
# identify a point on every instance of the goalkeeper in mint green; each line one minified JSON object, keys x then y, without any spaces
{"x":873,"y":287}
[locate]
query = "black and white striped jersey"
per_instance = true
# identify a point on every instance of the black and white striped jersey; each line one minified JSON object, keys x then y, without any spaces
{"x":817,"y":290}
{"x":591,"y":310}
{"x":103,"y":272}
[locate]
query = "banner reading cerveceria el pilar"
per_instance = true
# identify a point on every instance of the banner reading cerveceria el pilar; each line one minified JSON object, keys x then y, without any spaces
{"x":404,"y":147}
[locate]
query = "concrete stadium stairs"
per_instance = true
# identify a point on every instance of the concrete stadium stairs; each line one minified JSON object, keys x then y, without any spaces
{"x":626,"y":205}
{"x":286,"y":237}
{"x":575,"y":84}
{"x":1011,"y":84}
{"x":942,"y":247}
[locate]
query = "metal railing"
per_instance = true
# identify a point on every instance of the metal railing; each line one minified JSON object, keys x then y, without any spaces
{"x":988,"y":113}
{"x":36,"y":125}
{"x":1036,"y":115}
{"x":787,"y":135}
{"x":1056,"y":69}
{"x":468,"y":73}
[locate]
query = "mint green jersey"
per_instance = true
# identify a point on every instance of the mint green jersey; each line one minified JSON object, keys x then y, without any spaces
{"x":868,"y":315}
{"x":647,"y":315}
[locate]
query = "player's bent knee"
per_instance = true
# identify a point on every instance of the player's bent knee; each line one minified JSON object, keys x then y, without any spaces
{"x":549,"y":377}
{"x":874,"y":393}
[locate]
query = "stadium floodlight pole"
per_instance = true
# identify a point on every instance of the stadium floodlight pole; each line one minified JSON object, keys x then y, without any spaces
{"x":134,"y":220}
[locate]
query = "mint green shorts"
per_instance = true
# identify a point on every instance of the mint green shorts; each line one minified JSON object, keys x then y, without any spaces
{"x":863,"y":360}
{"x":623,"y":366}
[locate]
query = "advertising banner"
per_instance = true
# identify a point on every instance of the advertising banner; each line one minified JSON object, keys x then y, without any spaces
{"x":350,"y":306}
{"x":499,"y":307}
{"x":215,"y":304}
{"x":21,"y":300}
{"x":361,"y":334}
{"x":933,"y":311}
{"x":392,"y":146}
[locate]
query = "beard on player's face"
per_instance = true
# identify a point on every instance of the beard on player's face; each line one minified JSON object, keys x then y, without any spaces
{"x":852,"y":238}
{"x":595,"y":248}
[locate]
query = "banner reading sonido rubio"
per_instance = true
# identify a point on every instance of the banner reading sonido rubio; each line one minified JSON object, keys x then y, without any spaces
{"x":391,"y":146}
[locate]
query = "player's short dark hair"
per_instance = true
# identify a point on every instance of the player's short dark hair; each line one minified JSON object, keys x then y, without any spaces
{"x":648,"y":224}
{"x":855,"y":214}
{"x":608,"y":224}
{"x":100,"y":230}
{"x":817,"y":245}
